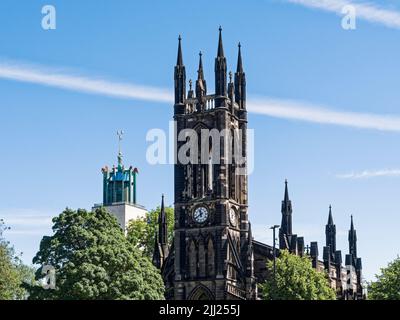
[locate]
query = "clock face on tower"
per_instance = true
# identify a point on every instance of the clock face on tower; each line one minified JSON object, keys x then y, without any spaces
{"x":200,"y":215}
{"x":232,"y":216}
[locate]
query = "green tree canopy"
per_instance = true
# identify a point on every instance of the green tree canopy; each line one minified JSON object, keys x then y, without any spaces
{"x":387,"y":284}
{"x":13,"y":273}
{"x":94,"y":260}
{"x":296,"y":280}
{"x":141,"y":232}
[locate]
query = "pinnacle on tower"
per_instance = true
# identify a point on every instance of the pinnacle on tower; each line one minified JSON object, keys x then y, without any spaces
{"x":239,"y":68}
{"x":179,"y":61}
{"x":220,"y":73}
{"x":220,"y":45}
{"x":330,"y":233}
{"x":353,"y":241}
{"x":240,"y":81}
{"x":180,"y":81}
{"x":200,"y":72}
{"x":286,"y":197}
{"x":162,"y":224}
{"x":330,"y":219}
{"x":201,"y":86}
{"x":285,"y":231}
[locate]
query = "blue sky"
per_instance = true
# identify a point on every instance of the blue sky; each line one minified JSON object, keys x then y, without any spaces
{"x":54,"y":141}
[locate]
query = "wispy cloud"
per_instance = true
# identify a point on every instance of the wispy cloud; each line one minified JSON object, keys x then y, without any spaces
{"x":59,"y":79}
{"x":370,"y":174}
{"x":297,"y":110}
{"x":280,"y":108}
{"x":365,"y":10}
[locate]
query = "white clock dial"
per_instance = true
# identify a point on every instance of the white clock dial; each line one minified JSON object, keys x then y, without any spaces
{"x":232,"y":216}
{"x":200,"y":215}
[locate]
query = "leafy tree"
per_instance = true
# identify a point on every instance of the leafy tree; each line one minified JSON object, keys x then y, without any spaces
{"x":13,"y":273}
{"x":93,"y":260}
{"x":296,"y":280}
{"x":141,"y":232}
{"x":387,"y":285}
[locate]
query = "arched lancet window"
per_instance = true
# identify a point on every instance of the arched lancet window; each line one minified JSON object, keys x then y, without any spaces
{"x":210,"y":258}
{"x":202,"y":259}
{"x":201,"y":293}
{"x":192,"y":260}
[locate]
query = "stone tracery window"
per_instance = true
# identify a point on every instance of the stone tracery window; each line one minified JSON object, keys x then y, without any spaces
{"x":210,"y":258}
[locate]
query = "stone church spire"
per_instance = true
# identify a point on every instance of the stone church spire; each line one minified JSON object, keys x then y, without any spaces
{"x":179,"y":61}
{"x":330,"y":233}
{"x":356,"y":262}
{"x":220,"y":71}
{"x":286,"y":197}
{"x":240,"y":81}
{"x":353,"y":242}
{"x":162,"y":225}
{"x":200,"y":71}
{"x":330,"y":219}
{"x":239,"y":68}
{"x":201,"y":85}
{"x":180,"y":81}
{"x":285,"y":231}
{"x":220,"y":53}
{"x":161,"y":249}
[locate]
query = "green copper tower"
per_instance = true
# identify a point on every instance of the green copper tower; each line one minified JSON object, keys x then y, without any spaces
{"x":120,"y":191}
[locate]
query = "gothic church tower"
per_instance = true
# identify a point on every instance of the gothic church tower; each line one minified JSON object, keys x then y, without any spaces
{"x":212,"y":238}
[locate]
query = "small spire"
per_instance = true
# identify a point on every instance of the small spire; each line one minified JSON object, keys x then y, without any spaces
{"x":220,"y":45}
{"x":286,"y":191}
{"x":179,"y":61}
{"x":239,"y":63}
{"x":330,"y":219}
{"x":190,"y":84}
{"x":200,"y":71}
{"x":162,"y":210}
{"x":162,"y":224}
{"x":353,"y":242}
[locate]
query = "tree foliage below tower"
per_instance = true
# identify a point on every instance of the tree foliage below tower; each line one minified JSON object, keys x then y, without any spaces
{"x":93,"y":260}
{"x":387,"y":284}
{"x":296,"y":279}
{"x":13,"y":273}
{"x":142,"y":231}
